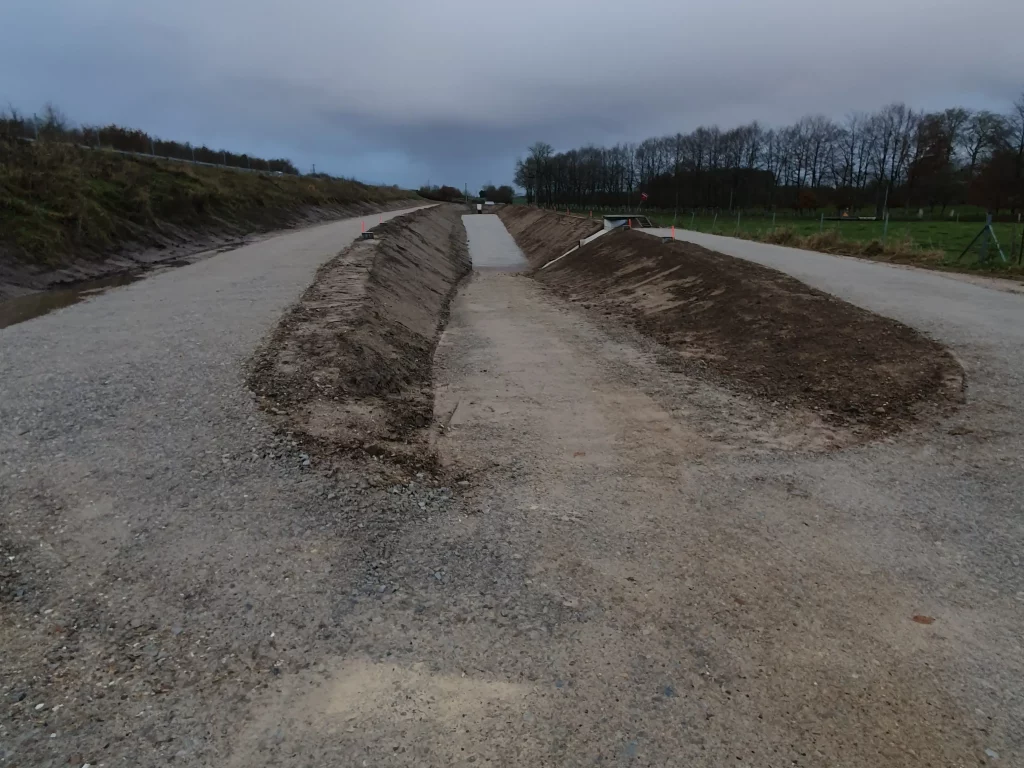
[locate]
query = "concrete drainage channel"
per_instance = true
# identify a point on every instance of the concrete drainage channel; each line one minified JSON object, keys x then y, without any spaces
{"x":491,"y":246}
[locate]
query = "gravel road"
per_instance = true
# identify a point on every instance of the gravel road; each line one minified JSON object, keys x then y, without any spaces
{"x":631,"y":567}
{"x":163,"y":553}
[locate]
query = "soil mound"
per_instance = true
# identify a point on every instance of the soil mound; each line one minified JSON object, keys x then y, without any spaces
{"x":545,"y":235}
{"x":349,"y":367}
{"x":761,"y":331}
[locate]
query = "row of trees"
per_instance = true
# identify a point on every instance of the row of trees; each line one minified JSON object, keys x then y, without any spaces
{"x":54,"y":125}
{"x":443,"y":194}
{"x":502,"y":194}
{"x":895,"y":157}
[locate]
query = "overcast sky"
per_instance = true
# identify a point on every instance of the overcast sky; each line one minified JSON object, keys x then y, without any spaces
{"x":452,"y":91}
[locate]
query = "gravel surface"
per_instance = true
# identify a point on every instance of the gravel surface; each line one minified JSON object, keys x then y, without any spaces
{"x":692,"y":592}
{"x":637,"y":568}
{"x":164,"y":555}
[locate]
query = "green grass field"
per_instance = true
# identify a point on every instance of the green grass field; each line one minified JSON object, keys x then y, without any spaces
{"x":934,"y":242}
{"x":949,"y":237}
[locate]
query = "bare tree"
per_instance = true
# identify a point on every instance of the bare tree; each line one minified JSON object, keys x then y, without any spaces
{"x":892,"y":157}
{"x":1015,"y":126}
{"x":979,"y":135}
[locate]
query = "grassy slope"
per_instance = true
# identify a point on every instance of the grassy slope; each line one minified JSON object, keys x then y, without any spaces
{"x":58,"y":201}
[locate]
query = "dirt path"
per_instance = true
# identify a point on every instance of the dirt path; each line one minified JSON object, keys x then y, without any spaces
{"x":163,"y":554}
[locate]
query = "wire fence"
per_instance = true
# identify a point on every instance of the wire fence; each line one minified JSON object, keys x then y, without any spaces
{"x":951,"y":215}
{"x":135,"y":143}
{"x":951,"y":236}
{"x":189,"y":161}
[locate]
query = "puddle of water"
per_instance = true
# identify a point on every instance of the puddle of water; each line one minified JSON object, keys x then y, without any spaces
{"x":22,"y":308}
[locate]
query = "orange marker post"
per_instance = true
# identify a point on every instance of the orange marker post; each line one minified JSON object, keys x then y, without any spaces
{"x":363,"y":223}
{"x":673,"y":231}
{"x":381,"y":219}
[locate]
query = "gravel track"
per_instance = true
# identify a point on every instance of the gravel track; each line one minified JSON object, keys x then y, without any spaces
{"x":639,"y":569}
{"x":164,"y":554}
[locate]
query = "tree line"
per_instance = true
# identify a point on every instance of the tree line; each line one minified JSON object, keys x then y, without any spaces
{"x":443,"y":194}
{"x":447,"y":194}
{"x":895,"y":157}
{"x":502,"y":194}
{"x":54,"y":125}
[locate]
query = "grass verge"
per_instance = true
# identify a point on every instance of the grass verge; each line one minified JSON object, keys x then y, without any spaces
{"x":937,"y":245}
{"x":59,"y":201}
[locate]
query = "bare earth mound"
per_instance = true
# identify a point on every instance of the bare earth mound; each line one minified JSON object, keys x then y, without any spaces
{"x":349,"y":368}
{"x":762,"y":331}
{"x":545,"y":235}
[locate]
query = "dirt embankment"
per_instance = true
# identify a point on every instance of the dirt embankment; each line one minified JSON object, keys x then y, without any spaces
{"x":69,"y":214}
{"x":762,"y":331}
{"x":169,"y":247}
{"x":545,"y":235}
{"x":349,"y":368}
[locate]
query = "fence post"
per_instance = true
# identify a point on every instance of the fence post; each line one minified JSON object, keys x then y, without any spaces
{"x":885,"y":227}
{"x":773,"y":219}
{"x":821,"y":224}
{"x":693,"y":215}
{"x":739,"y":214}
{"x":1021,"y":253}
{"x":714,"y":223}
{"x":985,"y":238}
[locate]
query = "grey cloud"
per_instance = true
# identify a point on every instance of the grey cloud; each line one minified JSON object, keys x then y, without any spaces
{"x":453,"y":90}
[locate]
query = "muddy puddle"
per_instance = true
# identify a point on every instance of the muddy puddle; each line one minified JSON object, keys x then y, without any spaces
{"x":22,"y":308}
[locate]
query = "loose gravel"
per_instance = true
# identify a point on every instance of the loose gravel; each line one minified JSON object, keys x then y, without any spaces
{"x":628,"y":566}
{"x":164,"y":556}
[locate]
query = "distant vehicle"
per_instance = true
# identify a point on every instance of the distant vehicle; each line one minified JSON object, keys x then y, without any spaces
{"x":489,"y":202}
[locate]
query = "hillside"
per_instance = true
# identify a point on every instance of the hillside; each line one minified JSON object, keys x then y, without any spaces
{"x":62,"y":205}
